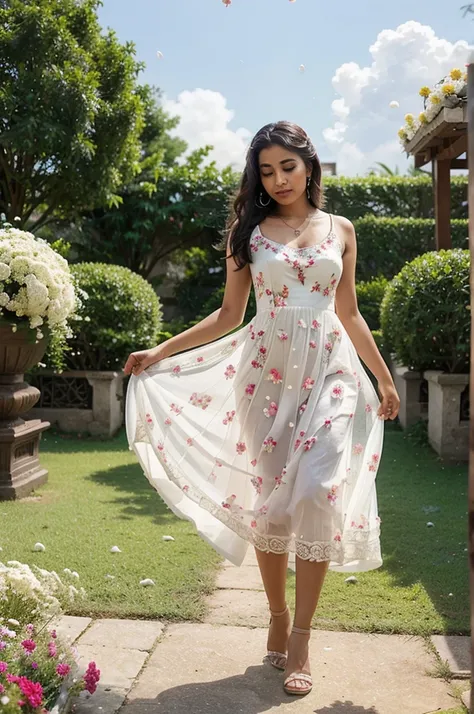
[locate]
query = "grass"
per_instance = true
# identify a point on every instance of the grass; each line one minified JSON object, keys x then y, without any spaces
{"x":97,"y":497}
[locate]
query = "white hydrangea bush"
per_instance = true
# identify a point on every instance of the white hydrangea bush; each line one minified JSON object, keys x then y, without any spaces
{"x":35,"y":283}
{"x":33,"y":593}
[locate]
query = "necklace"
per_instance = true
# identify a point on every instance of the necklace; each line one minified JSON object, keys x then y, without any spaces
{"x":298,"y":231}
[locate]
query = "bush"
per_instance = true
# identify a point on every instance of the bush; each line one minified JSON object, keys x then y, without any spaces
{"x":369,"y":297}
{"x":425,"y":314}
{"x":121,"y":313}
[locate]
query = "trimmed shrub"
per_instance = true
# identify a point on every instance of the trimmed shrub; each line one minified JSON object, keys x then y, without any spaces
{"x":369,"y":297}
{"x":425,"y":314}
{"x":121,"y":313}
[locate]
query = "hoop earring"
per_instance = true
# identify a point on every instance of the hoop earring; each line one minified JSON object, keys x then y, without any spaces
{"x":261,"y":204}
{"x":308,"y":192}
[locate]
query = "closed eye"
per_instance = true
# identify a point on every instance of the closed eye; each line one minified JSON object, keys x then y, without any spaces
{"x":286,"y":170}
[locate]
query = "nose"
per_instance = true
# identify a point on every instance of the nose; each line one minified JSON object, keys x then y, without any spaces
{"x":281,"y":179}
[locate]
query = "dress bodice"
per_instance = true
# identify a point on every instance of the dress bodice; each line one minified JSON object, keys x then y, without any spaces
{"x":295,"y":277}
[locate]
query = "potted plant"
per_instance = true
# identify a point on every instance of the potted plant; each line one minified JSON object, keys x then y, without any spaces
{"x":37,"y":298}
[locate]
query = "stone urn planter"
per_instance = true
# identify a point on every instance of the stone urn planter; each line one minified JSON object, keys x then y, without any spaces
{"x":409,"y":384}
{"x":81,"y":401}
{"x":20,"y":469}
{"x":448,"y":426}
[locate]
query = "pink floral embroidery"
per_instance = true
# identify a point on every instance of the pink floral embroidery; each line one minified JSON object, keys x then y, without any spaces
{"x":263,"y":509}
{"x":374,"y":462}
{"x":230,"y":371}
{"x":272,"y":410}
{"x":279,"y":479}
{"x":308,"y":383}
{"x":240,"y":447}
{"x":233,"y":343}
{"x":185,"y":488}
{"x":175,"y":408}
{"x":368,"y":408}
{"x":229,"y":501}
{"x":302,"y":408}
{"x":357,"y":449}
{"x":297,"y":443}
{"x":312,"y":344}
{"x":256,"y":364}
{"x":249,"y":390}
{"x":316,"y":288}
{"x":338,"y":536}
{"x":257,"y":481}
{"x":363,"y":522}
{"x":279,"y":298}
{"x":315,"y":325}
{"x":200,"y":400}
{"x":199,"y":359}
{"x":282,"y":335}
{"x":168,"y":421}
{"x":228,"y":417}
{"x":337,"y":391}
{"x":189,"y":441}
{"x":259,"y":285}
{"x":328,"y":423}
{"x":160,"y":446}
{"x":254,"y":462}
{"x":176,"y":370}
{"x":309,"y":443}
{"x":302,"y":323}
{"x":332,"y":495}
{"x":253,"y":524}
{"x":274,"y":376}
{"x":272,"y":314}
{"x":149,"y":420}
{"x":269,"y":444}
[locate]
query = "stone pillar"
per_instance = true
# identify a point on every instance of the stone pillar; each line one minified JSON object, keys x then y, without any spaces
{"x":448,"y":436}
{"x":407,"y":383}
{"x":107,"y":402}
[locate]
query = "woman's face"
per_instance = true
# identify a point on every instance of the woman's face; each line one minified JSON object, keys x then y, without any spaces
{"x":283,"y":174}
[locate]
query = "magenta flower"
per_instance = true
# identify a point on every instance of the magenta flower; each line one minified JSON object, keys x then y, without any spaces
{"x":63,"y":669}
{"x":28,"y":645}
{"x":91,"y":677}
{"x":52,"y":651}
{"x":34,"y":665}
{"x":3,"y":667}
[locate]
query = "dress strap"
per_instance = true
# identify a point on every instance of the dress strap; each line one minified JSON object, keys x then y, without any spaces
{"x":331,"y":226}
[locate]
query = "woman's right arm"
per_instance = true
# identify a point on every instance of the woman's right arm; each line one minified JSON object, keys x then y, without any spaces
{"x":229,"y":316}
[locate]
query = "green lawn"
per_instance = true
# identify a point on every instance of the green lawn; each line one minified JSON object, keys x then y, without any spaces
{"x":97,"y":497}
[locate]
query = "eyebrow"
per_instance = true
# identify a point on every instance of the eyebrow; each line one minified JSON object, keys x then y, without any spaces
{"x":285,"y":161}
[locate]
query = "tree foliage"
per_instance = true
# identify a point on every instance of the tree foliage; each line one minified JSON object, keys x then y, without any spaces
{"x":70,"y":110}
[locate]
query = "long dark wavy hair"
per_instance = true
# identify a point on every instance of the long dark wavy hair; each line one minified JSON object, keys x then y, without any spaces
{"x":246,"y":212}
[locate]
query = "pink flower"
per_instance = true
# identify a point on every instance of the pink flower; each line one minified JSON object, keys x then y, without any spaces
{"x":269,"y":444}
{"x":91,"y":677}
{"x":2,"y":689}
{"x":177,"y":369}
{"x":337,"y":391}
{"x":34,"y":665}
{"x":308,"y":383}
{"x":275,"y":376}
{"x":272,"y":410}
{"x":229,"y":417}
{"x":229,"y":372}
{"x":52,"y":651}
{"x":63,"y":669}
{"x":186,"y":488}
{"x":315,"y":324}
{"x":257,"y":483}
{"x":3,"y":666}
{"x":312,"y":344}
{"x":53,"y":634}
{"x":282,"y":335}
{"x":297,"y":443}
{"x":302,"y":323}
{"x":309,"y":443}
{"x":33,"y":691}
{"x":189,"y":441}
{"x":168,"y":421}
{"x":249,"y":389}
{"x":254,"y":462}
{"x":328,"y":423}
{"x":199,"y":359}
{"x":368,"y":408}
{"x":253,"y":524}
{"x":240,"y":447}
{"x":28,"y":645}
{"x":255,"y":363}
{"x":358,"y":448}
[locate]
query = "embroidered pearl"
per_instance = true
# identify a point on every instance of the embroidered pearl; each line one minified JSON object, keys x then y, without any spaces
{"x":267,"y":397}
{"x":290,"y":424}
{"x":294,"y":349}
{"x":295,"y":366}
{"x":290,"y":387}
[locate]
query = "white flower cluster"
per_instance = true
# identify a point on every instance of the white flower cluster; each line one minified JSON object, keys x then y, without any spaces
{"x":35,"y":281}
{"x":42,"y":588}
{"x":450,"y":92}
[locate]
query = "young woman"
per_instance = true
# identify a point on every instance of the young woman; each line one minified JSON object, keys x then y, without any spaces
{"x":272,"y":435}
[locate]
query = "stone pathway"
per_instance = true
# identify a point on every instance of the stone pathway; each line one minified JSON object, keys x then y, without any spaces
{"x":149,"y":667}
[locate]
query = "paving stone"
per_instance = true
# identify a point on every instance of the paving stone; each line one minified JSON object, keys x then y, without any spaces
{"x":222,"y":673}
{"x":247,"y":577}
{"x":118,"y":666}
{"x":457,"y":651}
{"x":132,"y":634}
{"x":104,"y":701}
{"x":247,"y":608}
{"x":70,"y":628}
{"x":466,"y":699}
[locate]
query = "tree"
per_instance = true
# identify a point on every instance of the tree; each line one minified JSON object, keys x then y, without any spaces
{"x":385,"y":170}
{"x":70,"y":111}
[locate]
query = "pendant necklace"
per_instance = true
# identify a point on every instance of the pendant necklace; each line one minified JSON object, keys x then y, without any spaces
{"x":297,"y":231}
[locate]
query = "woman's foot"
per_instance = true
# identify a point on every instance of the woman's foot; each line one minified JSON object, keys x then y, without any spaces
{"x":298,"y":670}
{"x":278,"y":635}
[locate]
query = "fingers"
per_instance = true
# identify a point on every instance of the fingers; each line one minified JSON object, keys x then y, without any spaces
{"x":133,"y":365}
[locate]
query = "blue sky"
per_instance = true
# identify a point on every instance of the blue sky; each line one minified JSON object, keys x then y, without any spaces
{"x":238,"y":67}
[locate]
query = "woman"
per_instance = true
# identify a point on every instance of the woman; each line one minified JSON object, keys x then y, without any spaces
{"x":272,"y":435}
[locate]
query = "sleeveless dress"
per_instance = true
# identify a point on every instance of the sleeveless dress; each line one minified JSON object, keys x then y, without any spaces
{"x":270,"y":435}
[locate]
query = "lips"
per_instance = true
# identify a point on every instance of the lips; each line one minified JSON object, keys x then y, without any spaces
{"x":283,"y":193}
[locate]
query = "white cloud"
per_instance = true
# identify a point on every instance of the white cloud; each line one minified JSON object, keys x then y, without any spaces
{"x":365,"y":127}
{"x":204,"y":119}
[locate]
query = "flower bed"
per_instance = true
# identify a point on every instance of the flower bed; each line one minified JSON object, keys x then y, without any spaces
{"x":38,"y":672}
{"x":450,"y":92}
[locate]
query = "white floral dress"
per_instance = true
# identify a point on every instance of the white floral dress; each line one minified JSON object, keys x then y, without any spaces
{"x":270,"y":435}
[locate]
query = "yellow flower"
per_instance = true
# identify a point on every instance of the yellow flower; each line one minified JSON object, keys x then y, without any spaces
{"x":455,"y":74}
{"x":402,"y":134}
{"x":434,"y":99}
{"x":409,"y":118}
{"x":448,"y":89}
{"x":425,"y":91}
{"x":423,"y":118}
{"x":464,"y":77}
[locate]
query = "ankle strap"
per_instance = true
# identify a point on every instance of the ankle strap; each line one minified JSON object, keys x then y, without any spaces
{"x":300,"y":631}
{"x":277,"y":614}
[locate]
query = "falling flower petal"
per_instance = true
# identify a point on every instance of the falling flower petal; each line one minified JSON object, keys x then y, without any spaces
{"x":110,"y":577}
{"x":147,"y":581}
{"x":167,"y":538}
{"x":302,"y":68}
{"x":430,"y":525}
{"x":39,"y":546}
{"x":351,"y":579}
{"x":159,"y":54}
{"x":394,"y":104}
{"x":115,"y":549}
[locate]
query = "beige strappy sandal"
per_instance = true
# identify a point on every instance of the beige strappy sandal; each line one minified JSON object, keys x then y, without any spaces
{"x":276,"y":659}
{"x":301,"y":677}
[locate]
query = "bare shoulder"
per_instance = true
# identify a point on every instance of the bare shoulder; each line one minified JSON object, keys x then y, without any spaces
{"x":345,"y":231}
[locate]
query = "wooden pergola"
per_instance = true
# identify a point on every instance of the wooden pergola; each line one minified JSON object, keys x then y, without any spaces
{"x":443,"y":141}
